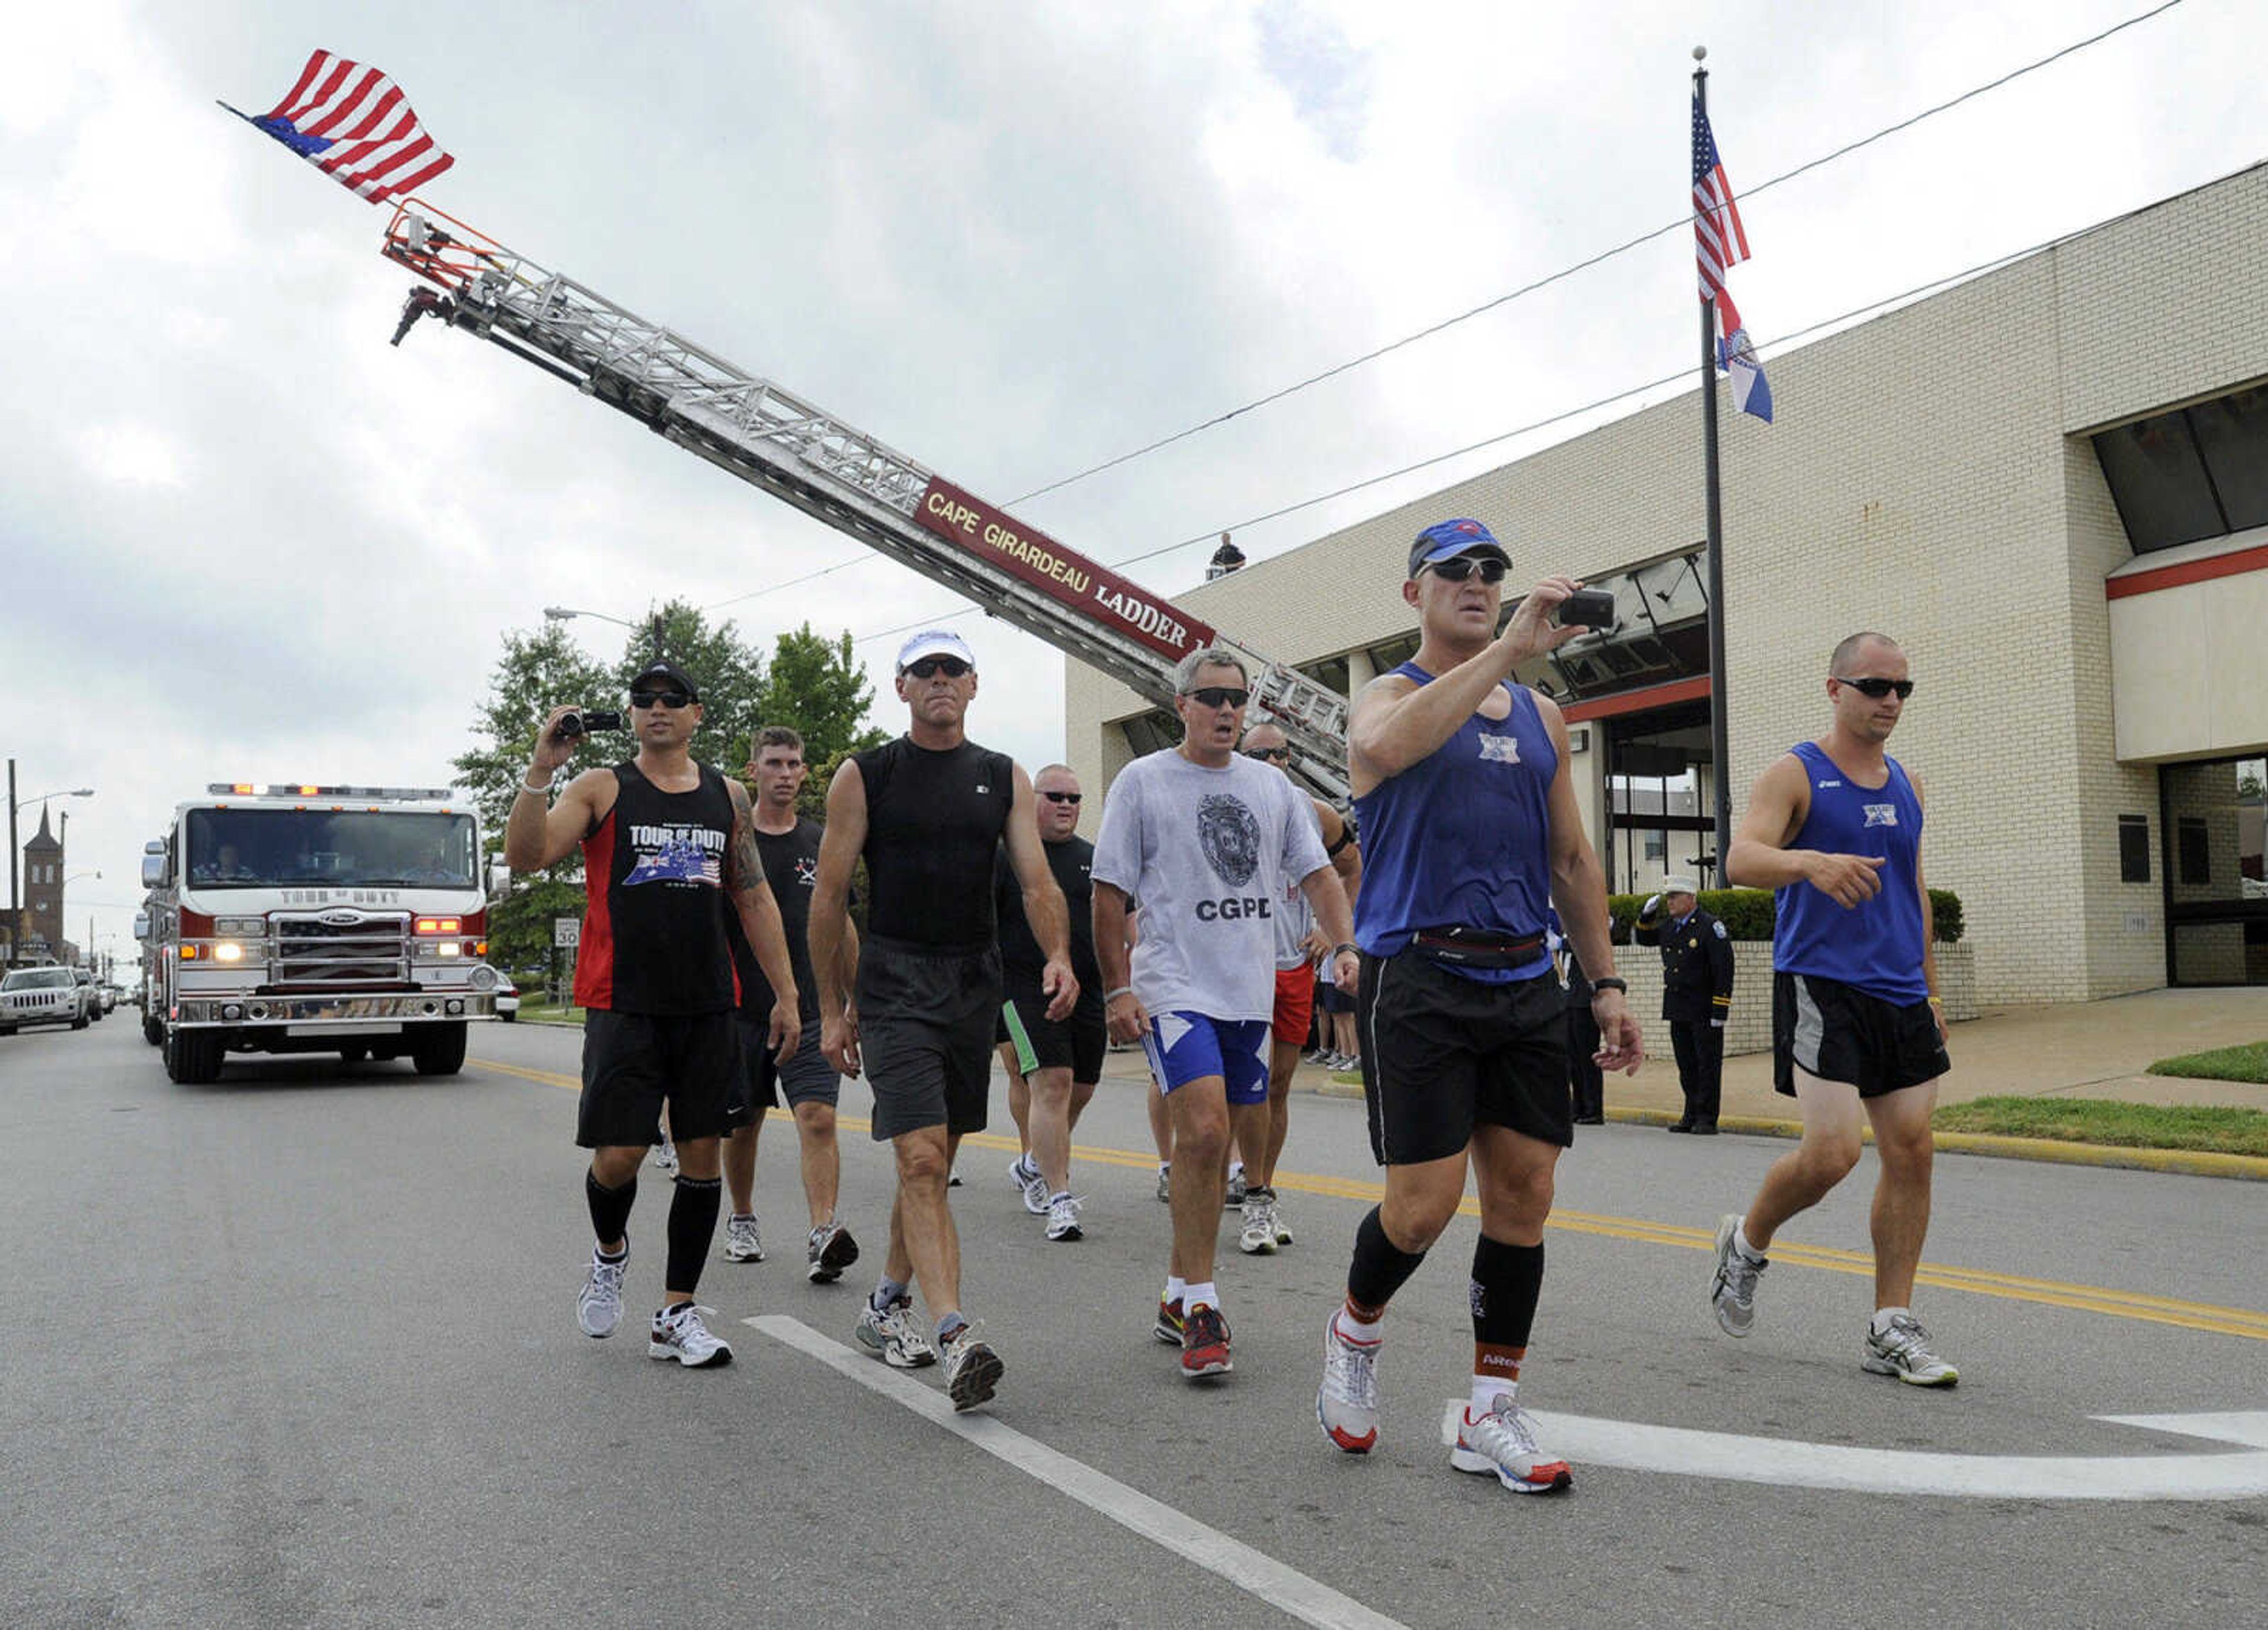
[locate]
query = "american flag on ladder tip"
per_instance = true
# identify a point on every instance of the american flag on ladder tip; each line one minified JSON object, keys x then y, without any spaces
{"x":354,"y":124}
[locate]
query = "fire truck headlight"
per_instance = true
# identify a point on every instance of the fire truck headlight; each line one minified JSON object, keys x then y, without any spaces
{"x":484,"y":978}
{"x":228,"y":951}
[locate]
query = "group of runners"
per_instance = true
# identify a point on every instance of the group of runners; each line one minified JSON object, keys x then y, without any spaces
{"x":722,"y":971}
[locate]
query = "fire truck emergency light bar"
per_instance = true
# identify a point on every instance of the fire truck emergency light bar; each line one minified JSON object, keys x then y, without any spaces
{"x":393,"y":794}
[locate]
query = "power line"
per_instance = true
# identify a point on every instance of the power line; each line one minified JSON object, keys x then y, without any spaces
{"x":1565,"y":272}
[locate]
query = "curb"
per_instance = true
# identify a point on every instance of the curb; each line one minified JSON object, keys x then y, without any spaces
{"x":2180,"y":1163}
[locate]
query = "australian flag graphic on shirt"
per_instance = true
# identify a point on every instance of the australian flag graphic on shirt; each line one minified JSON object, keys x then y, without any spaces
{"x":675,"y":855}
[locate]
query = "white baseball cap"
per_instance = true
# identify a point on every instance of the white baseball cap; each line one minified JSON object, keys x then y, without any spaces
{"x":934,"y":642}
{"x":1680,"y":885}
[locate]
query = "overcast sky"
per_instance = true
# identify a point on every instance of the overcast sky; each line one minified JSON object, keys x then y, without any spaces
{"x":243,"y":538}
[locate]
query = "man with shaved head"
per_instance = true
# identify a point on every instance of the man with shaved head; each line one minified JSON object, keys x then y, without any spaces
{"x":1857,"y":1032}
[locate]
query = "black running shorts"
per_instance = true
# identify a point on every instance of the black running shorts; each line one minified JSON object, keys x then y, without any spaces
{"x":1442,"y":1053}
{"x":925,"y":1021}
{"x":1078,"y":1043}
{"x":634,"y":1062}
{"x":1839,"y":1033}
{"x":807,"y":1078}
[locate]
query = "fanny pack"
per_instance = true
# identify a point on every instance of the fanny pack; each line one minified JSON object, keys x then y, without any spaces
{"x":1459,"y":947}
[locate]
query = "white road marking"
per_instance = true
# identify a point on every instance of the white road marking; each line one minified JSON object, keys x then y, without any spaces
{"x":1263,"y":1575}
{"x":1634,"y":1446}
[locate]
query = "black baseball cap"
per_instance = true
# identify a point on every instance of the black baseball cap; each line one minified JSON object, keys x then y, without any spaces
{"x":661,"y":674}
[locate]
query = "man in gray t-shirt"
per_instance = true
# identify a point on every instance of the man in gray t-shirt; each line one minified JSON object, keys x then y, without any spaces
{"x":1207,"y":840}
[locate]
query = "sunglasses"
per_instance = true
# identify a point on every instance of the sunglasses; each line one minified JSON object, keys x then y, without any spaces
{"x":660,"y":698}
{"x":1061,"y":798}
{"x":1879,"y":688}
{"x":1282,"y":752}
{"x":1220,"y":696}
{"x":929,"y":668}
{"x":1457,"y":568}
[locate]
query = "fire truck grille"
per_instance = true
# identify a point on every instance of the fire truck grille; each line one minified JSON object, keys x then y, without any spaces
{"x":373,"y":950}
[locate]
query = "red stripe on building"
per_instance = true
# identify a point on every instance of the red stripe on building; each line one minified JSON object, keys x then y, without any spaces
{"x":2234,"y":563}
{"x":1637,"y":701}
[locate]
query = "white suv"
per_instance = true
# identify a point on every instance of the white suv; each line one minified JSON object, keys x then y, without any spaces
{"x":43,"y":996}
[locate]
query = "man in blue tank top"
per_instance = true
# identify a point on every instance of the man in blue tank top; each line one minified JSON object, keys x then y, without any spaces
{"x":1471,"y":835}
{"x":1857,"y":1032}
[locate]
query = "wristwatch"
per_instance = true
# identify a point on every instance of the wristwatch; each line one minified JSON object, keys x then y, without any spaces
{"x":1612,"y":982}
{"x":1347,"y":945}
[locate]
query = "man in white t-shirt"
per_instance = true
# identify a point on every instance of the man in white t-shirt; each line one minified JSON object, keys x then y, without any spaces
{"x":1207,"y":840}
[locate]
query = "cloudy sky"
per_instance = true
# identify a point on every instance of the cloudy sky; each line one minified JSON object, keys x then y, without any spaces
{"x":243,"y":537}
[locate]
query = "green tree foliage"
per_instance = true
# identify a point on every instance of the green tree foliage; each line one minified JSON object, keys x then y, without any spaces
{"x":536,"y":672}
{"x":814,"y":686}
{"x":1751,"y":913}
{"x":730,"y":675}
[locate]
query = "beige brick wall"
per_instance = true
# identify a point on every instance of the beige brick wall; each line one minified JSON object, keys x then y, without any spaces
{"x":1928,"y":476}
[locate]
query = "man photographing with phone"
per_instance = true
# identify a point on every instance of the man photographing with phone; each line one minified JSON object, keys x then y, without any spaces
{"x":668,"y":849}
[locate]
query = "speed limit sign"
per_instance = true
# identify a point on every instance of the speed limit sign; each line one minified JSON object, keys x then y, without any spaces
{"x":567,"y":933}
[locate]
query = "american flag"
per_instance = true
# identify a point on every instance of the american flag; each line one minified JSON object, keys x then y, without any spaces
{"x":1720,"y":240}
{"x":353,"y":123}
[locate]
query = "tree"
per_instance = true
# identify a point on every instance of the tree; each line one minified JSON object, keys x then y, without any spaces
{"x":816,"y":688}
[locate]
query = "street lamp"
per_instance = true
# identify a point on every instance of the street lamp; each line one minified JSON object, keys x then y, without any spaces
{"x":652,"y":625}
{"x":15,"y":898}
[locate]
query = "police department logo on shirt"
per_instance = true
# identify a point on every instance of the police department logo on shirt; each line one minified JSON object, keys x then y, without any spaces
{"x":1881,"y":815}
{"x":1500,"y":749}
{"x":1230,"y":837}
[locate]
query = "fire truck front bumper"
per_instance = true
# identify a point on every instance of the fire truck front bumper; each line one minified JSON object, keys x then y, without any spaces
{"x":418,"y":1007}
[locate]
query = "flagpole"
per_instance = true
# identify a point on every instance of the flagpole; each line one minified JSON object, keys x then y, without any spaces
{"x":1719,"y":748}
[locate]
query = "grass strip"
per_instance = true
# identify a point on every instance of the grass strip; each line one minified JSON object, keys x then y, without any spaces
{"x":2248,"y":1062}
{"x":2226,"y":1131}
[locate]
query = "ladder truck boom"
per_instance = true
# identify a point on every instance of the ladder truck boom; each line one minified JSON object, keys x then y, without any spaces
{"x":837,"y":473}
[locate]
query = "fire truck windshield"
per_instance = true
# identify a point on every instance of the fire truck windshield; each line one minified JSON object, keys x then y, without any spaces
{"x":328,"y":848}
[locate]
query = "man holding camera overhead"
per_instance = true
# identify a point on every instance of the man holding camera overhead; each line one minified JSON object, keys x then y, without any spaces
{"x":668,"y":849}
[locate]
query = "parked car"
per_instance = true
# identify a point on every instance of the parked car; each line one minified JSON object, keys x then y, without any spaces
{"x":89,"y":992}
{"x":112,"y":995}
{"x":507,"y":1001}
{"x":43,"y":996}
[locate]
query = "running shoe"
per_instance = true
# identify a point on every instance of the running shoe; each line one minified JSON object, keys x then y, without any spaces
{"x":598,"y":1309}
{"x":679,"y":1333}
{"x":1166,"y":1184}
{"x":1205,"y":1344}
{"x":1503,"y":1440}
{"x":1732,"y":1292}
{"x":1346,"y":1404}
{"x":1233,"y":1197}
{"x":891,"y":1337}
{"x":1258,"y":1237}
{"x":972,"y":1370}
{"x":1027,"y":1177}
{"x":742,"y":1242}
{"x":1168,"y":1327}
{"x":831,"y":1251}
{"x":1062,"y":1217}
{"x":1904,"y":1350}
{"x":1275,"y":1220}
{"x":665,"y":1155}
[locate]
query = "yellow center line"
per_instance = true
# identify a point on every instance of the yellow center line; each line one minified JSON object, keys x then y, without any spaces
{"x":2009,"y":1286}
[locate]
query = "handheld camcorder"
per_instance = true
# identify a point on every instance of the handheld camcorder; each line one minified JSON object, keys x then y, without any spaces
{"x":583,"y":721}
{"x":1593,"y":608}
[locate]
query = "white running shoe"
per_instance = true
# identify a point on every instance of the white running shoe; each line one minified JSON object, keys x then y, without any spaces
{"x":598,"y":1309}
{"x":1732,"y":1292}
{"x":1503,"y":1442}
{"x":742,"y":1242}
{"x":679,"y":1333}
{"x":1062,"y":1217}
{"x":830,"y":1251}
{"x":891,"y":1337}
{"x":1166,"y":1185}
{"x":972,"y":1370}
{"x":1234,"y":1195}
{"x":1904,"y":1350}
{"x":1346,"y":1404}
{"x":665,"y":1155}
{"x":1258,"y":1237}
{"x":1027,"y":1177}
{"x":1275,"y":1220}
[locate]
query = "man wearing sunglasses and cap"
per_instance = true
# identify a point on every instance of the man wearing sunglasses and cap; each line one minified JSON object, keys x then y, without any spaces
{"x":1858,"y":1032}
{"x":927,"y":811}
{"x":1207,"y":840}
{"x":1471,"y":836}
{"x":669,"y":849}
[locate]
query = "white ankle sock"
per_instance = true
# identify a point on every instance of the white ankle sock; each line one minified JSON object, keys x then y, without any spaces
{"x":1203,"y":1293}
{"x":1741,"y":1244}
{"x":1177,"y":1289}
{"x":1487,"y":1390}
{"x":1880,"y":1323}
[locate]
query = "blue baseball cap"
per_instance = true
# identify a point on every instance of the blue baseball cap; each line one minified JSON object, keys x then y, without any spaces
{"x":1446,"y":539}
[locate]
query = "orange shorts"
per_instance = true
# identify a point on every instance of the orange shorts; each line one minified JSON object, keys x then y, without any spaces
{"x":1295,"y":1005}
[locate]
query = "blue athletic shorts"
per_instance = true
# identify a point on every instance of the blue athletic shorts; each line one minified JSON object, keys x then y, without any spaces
{"x":1185,"y":1046}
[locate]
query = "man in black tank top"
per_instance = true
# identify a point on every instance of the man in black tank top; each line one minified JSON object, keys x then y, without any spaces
{"x":927,"y":812}
{"x":669,"y":848}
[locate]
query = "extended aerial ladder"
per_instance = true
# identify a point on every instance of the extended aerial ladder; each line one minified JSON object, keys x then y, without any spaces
{"x":837,"y":473}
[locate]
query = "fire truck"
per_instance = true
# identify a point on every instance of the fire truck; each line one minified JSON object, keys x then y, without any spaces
{"x":304,"y":918}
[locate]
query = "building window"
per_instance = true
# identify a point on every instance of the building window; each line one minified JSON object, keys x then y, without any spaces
{"x":2197,"y":852}
{"x":2196,"y":473}
{"x":2134,"y":849}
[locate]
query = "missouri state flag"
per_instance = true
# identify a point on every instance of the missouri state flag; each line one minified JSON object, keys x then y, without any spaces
{"x":354,"y":124}
{"x":1751,"y":394}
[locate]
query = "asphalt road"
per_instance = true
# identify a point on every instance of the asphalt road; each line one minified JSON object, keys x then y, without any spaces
{"x":298,"y":1348}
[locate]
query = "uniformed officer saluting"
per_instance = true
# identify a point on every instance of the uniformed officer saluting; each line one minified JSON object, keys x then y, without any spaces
{"x":1697,"y":994}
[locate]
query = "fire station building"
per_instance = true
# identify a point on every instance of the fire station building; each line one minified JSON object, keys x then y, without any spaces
{"x":2049,"y":483}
